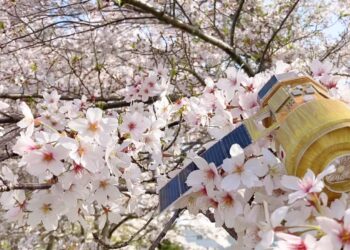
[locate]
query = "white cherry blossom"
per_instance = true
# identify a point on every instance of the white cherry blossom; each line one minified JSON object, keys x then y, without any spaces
{"x":44,"y":208}
{"x":46,"y":158}
{"x":94,"y":126}
{"x":28,"y":120}
{"x":241,"y":172}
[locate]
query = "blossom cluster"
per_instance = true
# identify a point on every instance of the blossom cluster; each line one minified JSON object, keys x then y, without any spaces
{"x":86,"y":161}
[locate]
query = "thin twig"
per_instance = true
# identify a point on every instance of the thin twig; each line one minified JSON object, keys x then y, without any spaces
{"x":234,"y":22}
{"x":165,"y":229}
{"x":175,"y":137}
{"x":230,"y":231}
{"x":126,"y":243}
{"x":274,"y":34}
{"x":193,"y":30}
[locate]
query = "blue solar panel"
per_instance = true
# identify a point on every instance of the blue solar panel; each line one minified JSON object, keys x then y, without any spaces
{"x":183,"y":177}
{"x":216,"y":154}
{"x":273,"y":80}
{"x":169,"y":193}
{"x":239,"y":135}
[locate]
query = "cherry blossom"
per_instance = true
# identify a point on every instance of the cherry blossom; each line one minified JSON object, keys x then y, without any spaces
{"x":84,"y":153}
{"x":44,"y":208}
{"x":267,"y":228}
{"x":229,"y":205}
{"x":134,"y":124}
{"x":110,"y":104}
{"x":104,"y":188}
{"x":275,"y":171}
{"x":46,"y":158}
{"x":241,"y":172}
{"x":206,"y":175}
{"x":337,"y":233}
{"x":308,"y":185}
{"x":319,"y":69}
{"x":292,"y":242}
{"x":94,"y":126}
{"x":28,"y":120}
{"x":232,"y":82}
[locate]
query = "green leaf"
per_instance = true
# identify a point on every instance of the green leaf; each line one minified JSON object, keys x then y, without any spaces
{"x":34,"y":67}
{"x":118,"y":2}
{"x":168,"y":245}
{"x":100,"y":105}
{"x":120,"y":120}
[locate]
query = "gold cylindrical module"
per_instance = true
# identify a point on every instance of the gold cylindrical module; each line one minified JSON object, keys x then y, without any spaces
{"x":311,"y":130}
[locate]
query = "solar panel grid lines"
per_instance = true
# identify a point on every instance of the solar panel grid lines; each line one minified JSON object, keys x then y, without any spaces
{"x":215,"y":154}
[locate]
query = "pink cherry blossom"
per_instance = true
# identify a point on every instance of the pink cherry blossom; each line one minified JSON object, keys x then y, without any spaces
{"x":320,"y":68}
{"x":308,"y":185}
{"x":207,"y":175}
{"x":134,"y":124}
{"x":292,"y":242}
{"x":230,"y":205}
{"x":230,"y":84}
{"x":337,"y":233}
{"x":267,"y":228}
{"x":46,"y":158}
{"x":84,"y":153}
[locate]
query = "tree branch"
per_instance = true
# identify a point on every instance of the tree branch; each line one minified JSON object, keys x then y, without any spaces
{"x":63,"y":97}
{"x":126,"y":243}
{"x":175,"y":137}
{"x":165,"y":229}
{"x":6,"y":187}
{"x":161,"y":16}
{"x":24,"y":186}
{"x":234,"y":22}
{"x":274,"y":34}
{"x":230,"y":231}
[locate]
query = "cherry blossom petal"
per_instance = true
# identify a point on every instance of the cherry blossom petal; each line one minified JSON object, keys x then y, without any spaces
{"x":237,"y":154}
{"x":195,"y":178}
{"x":94,"y":115}
{"x":329,"y":225}
{"x":291,"y":182}
{"x":288,"y":237}
{"x":201,"y":163}
{"x":228,"y":165}
{"x":255,"y":166}
{"x":249,"y":179}
{"x":230,"y":182}
{"x":328,"y":242}
{"x":278,"y":215}
{"x":347,"y":219}
{"x":296,"y":195}
{"x":79,"y":124}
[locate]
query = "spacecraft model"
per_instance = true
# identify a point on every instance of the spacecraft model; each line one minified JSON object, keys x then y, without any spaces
{"x":310,"y":131}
